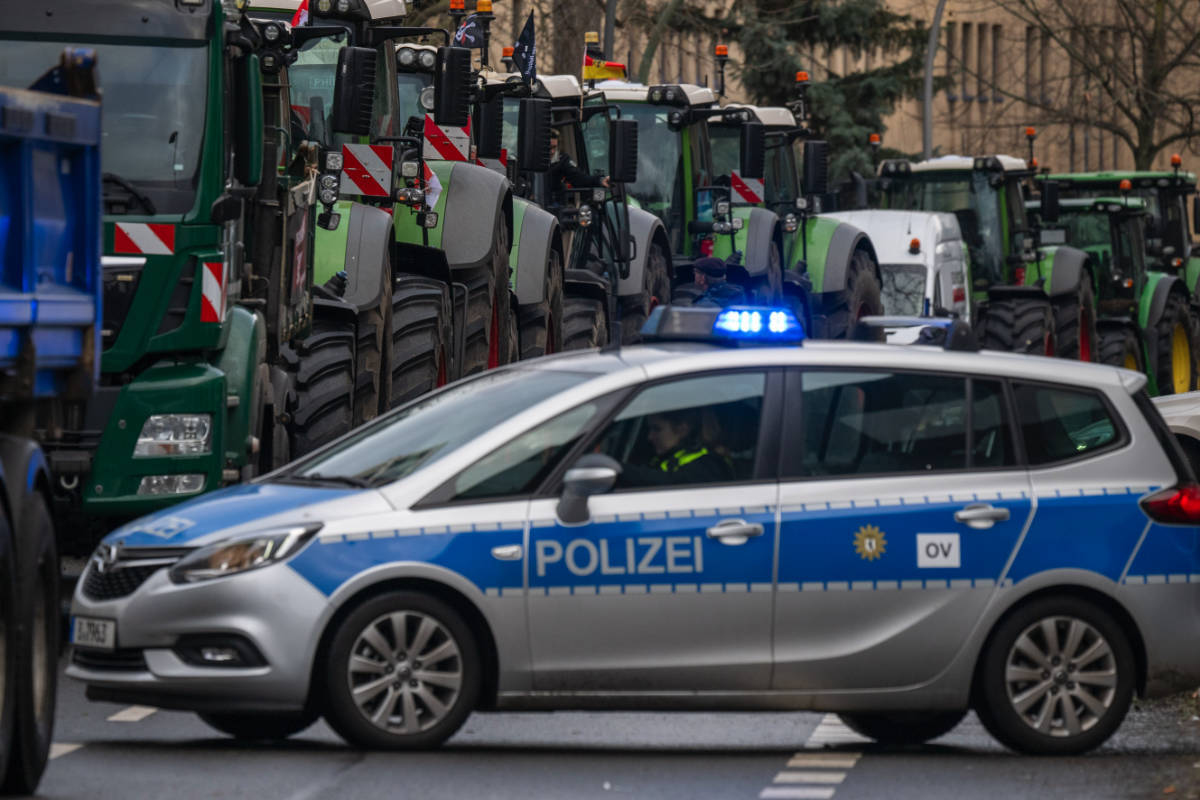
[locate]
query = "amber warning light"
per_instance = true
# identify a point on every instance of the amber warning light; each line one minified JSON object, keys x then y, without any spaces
{"x":1126,"y":185}
{"x":507,"y":52}
{"x":802,"y":77}
{"x":722,"y":51}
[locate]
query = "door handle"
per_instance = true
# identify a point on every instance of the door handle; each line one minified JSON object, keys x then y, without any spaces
{"x":734,"y":531}
{"x":508,"y":552}
{"x":981,"y":515}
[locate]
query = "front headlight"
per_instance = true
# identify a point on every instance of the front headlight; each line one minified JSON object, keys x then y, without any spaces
{"x":427,"y":58}
{"x":243,"y":553}
{"x":175,"y":435}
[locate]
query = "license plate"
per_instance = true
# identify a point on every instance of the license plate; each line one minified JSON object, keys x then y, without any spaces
{"x":92,"y":632}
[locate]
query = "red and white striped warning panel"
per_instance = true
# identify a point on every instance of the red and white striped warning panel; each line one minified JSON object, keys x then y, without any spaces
{"x":433,"y":187}
{"x":496,"y":164}
{"x":367,"y":170}
{"x":446,"y":142}
{"x":142,"y":238}
{"x":212,"y":292}
{"x":747,"y":190}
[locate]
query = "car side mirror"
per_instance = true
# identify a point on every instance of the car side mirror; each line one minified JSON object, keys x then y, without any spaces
{"x":753,"y":150}
{"x":533,"y":134}
{"x":816,"y":168}
{"x":354,"y":91}
{"x":489,"y":124}
{"x":1050,"y":208}
{"x":623,"y":150}
{"x":592,"y":474}
{"x":452,"y":87}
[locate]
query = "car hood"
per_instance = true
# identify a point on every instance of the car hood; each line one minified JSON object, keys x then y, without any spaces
{"x":245,"y":508}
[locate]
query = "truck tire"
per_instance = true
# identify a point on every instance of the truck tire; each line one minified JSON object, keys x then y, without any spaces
{"x":8,"y":645}
{"x":861,"y":297}
{"x":36,"y":677}
{"x":541,"y":324}
{"x":1119,"y":348}
{"x":584,"y":323}
{"x":1175,"y":359}
{"x":420,"y":337}
{"x":903,"y":727}
{"x":372,"y":356}
{"x":487,"y":325}
{"x":324,"y":367}
{"x":1018,"y":325}
{"x":1075,"y":323}
{"x":656,"y":288}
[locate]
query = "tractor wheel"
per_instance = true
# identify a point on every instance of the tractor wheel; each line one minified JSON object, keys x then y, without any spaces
{"x":860,"y":298}
{"x":1019,"y":325}
{"x":1075,"y":323}
{"x":584,"y":324}
{"x":373,"y":355}
{"x":1175,"y":370}
{"x":8,"y":644}
{"x":1119,"y":347}
{"x":487,"y":325}
{"x":656,"y":288}
{"x":420,"y":337}
{"x":541,"y":323}
{"x":324,"y":368}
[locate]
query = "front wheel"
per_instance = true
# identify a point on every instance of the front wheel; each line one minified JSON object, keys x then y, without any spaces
{"x":1018,"y":325}
{"x":656,"y":288}
{"x":901,"y":728}
{"x":1075,"y":323}
{"x":585,"y":325}
{"x":541,"y":323}
{"x":1119,"y":348}
{"x":861,"y":297}
{"x":402,"y":673}
{"x":1055,"y":678}
{"x":260,"y":727}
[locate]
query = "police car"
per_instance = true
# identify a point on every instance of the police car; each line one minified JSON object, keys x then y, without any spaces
{"x":893,"y":534}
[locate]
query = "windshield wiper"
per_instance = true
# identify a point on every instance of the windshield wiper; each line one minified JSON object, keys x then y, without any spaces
{"x":134,"y":192}
{"x":316,"y":477}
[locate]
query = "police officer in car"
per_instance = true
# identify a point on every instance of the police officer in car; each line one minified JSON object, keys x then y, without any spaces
{"x":564,"y":171}
{"x":709,"y":273}
{"x":680,"y":453}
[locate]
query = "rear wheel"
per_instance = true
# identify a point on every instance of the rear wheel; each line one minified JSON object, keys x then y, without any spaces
{"x":656,"y":288}
{"x":1075,"y":323}
{"x":372,"y":353}
{"x":8,"y":645}
{"x":37,"y":648}
{"x":1119,"y":348}
{"x":260,"y":727}
{"x":541,"y":324}
{"x":1018,"y":325}
{"x":584,"y":323}
{"x":1175,"y":367}
{"x":861,"y":297}
{"x":903,"y":727}
{"x":324,"y":367}
{"x":487,"y":325}
{"x":420,"y":337}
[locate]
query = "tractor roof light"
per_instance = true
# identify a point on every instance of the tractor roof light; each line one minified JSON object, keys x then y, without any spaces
{"x":801,"y":77}
{"x":1126,"y":185}
{"x":1031,"y":133}
{"x":507,"y":52}
{"x":669,"y":94}
{"x":874,"y":140}
{"x":721,"y":51}
{"x":406,"y":57}
{"x":1176,"y":161}
{"x":591,"y":37}
{"x":988,"y":164}
{"x":427,"y":59}
{"x":483,"y":6}
{"x":458,"y":5}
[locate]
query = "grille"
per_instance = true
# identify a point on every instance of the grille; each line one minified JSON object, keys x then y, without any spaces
{"x":130,"y":659}
{"x":116,"y":582}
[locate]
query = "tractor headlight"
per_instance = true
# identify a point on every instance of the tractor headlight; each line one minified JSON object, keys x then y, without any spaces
{"x":243,"y":553}
{"x":328,"y":196}
{"x":328,"y":182}
{"x":790,"y":223}
{"x":427,"y":59}
{"x":410,"y":169}
{"x":585,"y":216}
{"x":271,"y":33}
{"x":737,"y":223}
{"x":721,"y":208}
{"x":333,"y":162}
{"x":175,"y":435}
{"x":406,"y":57}
{"x":426,"y":98}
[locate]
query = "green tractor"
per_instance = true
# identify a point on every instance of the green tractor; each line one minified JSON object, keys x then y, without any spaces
{"x":1027,"y":296}
{"x":1143,"y":317}
{"x":209,"y":372}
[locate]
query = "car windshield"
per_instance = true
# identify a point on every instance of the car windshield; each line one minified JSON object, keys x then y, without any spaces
{"x":971,"y":199}
{"x":659,"y":187}
{"x":415,"y":436}
{"x":903,"y":288}
{"x":153,"y":120}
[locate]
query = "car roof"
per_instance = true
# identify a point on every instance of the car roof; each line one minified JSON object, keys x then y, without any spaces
{"x":892,"y":231}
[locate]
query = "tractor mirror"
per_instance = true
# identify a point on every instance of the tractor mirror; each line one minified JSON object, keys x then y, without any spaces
{"x":489,"y":125}
{"x":249,"y":137}
{"x":533,"y":134}
{"x":816,"y":168}
{"x":1049,"y":209}
{"x":753,"y":150}
{"x":452,"y":103}
{"x":354,"y":91}
{"x":623,"y":150}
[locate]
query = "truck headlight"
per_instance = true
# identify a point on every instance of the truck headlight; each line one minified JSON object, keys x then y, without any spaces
{"x":259,"y":549}
{"x":160,"y":485}
{"x":175,"y":435}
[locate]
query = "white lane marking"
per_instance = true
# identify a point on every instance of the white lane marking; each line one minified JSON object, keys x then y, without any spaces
{"x":820,"y":760}
{"x":62,"y":748}
{"x":796,"y":793}
{"x":132,"y":714}
{"x":809,"y":776}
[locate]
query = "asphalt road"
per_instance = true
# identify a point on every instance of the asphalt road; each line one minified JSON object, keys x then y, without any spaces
{"x":110,"y":751}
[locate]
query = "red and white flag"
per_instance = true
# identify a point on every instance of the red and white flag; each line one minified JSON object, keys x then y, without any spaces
{"x":301,"y":15}
{"x":433,"y":187}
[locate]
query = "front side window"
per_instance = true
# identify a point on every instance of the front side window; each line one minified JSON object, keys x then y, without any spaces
{"x":1059,"y":424}
{"x":689,"y":432}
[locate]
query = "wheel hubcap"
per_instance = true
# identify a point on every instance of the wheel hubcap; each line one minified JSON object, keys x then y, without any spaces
{"x":1181,"y":360}
{"x":405,"y":672}
{"x":1061,"y":676}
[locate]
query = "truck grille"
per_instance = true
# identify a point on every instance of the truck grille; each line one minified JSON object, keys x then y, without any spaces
{"x":117,"y":572}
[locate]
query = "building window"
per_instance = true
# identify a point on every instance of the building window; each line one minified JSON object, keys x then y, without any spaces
{"x":951,"y":41}
{"x":965,"y":62}
{"x":981,"y":59}
{"x":997,"y":38}
{"x":1030,"y":63}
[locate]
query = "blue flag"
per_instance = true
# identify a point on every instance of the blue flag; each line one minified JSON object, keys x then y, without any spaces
{"x":470,"y":33}
{"x":525,"y":51}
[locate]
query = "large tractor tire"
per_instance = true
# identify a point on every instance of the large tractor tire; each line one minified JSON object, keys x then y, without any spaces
{"x":656,"y":288}
{"x":1119,"y":348}
{"x":1075,"y":323}
{"x":373,"y":356}
{"x":35,"y":678}
{"x":541,"y":324}
{"x":420,"y":337}
{"x":1018,"y":325}
{"x":8,"y":643}
{"x":324,"y":403}
{"x":1175,"y":362}
{"x":488,"y":309}
{"x":861,"y":297}
{"x":584,"y":323}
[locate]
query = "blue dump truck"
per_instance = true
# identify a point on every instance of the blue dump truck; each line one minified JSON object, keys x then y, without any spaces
{"x":49,"y":312}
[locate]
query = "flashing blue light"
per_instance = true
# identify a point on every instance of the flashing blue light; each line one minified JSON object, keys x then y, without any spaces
{"x":758,"y":324}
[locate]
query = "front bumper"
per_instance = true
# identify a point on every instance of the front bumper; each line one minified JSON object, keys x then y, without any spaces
{"x":273,"y":608}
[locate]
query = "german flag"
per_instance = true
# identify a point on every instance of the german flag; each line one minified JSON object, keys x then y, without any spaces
{"x":596,"y":70}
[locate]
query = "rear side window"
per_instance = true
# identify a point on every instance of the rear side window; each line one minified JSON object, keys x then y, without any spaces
{"x":1184,"y":469}
{"x":1059,"y":424}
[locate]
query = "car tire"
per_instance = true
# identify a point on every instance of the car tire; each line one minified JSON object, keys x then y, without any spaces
{"x":1175,"y":351}
{"x":379,"y":695}
{"x":903,"y":727}
{"x":1018,"y":325}
{"x":260,"y":727}
{"x":1029,"y":694}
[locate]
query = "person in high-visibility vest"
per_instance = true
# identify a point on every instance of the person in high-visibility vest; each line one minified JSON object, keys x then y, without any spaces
{"x":680,"y":454}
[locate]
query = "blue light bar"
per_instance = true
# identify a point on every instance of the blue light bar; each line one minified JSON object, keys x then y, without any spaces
{"x":745,"y":325}
{"x":759,"y":324}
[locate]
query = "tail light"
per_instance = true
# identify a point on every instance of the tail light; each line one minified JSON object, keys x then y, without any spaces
{"x":960,"y":295}
{"x":1179,"y":505}
{"x":1019,"y":276}
{"x":706,"y":247}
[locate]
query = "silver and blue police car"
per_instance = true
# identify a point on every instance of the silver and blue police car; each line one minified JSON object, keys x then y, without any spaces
{"x":893,"y":534}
